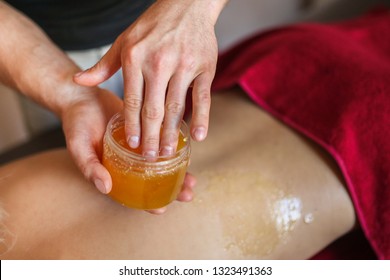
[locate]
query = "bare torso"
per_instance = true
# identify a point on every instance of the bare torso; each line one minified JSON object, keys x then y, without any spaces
{"x":263,"y":192}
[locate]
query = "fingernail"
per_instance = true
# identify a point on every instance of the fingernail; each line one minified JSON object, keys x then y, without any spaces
{"x":150,"y":154}
{"x":200,"y":134}
{"x":167,"y":151}
{"x":158,"y":211}
{"x":133,"y":142}
{"x":100,"y":186}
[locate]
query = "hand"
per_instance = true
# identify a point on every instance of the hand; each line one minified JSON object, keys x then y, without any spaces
{"x":171,"y":46}
{"x":84,"y":123}
{"x":46,"y":77}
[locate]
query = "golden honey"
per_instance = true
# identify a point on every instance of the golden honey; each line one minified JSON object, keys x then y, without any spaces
{"x":136,"y":181}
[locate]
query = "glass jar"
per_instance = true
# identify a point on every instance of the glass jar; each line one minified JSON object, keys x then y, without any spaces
{"x":138,"y":182}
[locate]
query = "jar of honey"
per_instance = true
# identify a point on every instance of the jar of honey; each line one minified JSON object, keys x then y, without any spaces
{"x":138,"y":182}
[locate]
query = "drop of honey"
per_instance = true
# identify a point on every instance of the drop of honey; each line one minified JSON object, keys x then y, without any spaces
{"x":309,"y":218}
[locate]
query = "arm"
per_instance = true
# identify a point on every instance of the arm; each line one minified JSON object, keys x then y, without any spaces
{"x":33,"y":65}
{"x":171,"y":46}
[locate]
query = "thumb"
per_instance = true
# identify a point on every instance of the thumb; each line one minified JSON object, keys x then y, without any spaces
{"x":87,"y":160}
{"x":102,"y":70}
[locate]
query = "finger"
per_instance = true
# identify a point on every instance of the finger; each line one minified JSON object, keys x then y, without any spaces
{"x":187,"y":194}
{"x":88,"y":162}
{"x":133,"y":97}
{"x":189,"y":180}
{"x":201,"y":101}
{"x":102,"y":70}
{"x":153,"y":113}
{"x":99,"y":175}
{"x":158,"y":211}
{"x":174,"y":110}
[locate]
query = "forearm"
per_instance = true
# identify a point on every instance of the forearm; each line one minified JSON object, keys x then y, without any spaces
{"x":32,"y":64}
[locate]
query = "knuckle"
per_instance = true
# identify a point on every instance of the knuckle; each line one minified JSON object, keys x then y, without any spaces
{"x":152,"y":140}
{"x":73,"y":146}
{"x":87,"y":165}
{"x":134,"y":52}
{"x":171,"y":138}
{"x":152,"y":113}
{"x":131,"y":54}
{"x":203,"y":96}
{"x":83,"y":161}
{"x":174,"y":108}
{"x":157,"y":62}
{"x":187,"y":63}
{"x":132,"y":102}
{"x":202,"y":118}
{"x":201,"y":112}
{"x":132,"y":127}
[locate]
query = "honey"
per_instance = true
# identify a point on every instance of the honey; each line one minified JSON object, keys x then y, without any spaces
{"x":136,"y":181}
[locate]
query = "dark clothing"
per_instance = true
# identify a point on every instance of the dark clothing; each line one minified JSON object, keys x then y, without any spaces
{"x":82,"y":24}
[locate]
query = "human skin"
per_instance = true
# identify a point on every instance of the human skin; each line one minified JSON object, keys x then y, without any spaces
{"x":171,"y":46}
{"x":263,"y":192}
{"x":31,"y":64}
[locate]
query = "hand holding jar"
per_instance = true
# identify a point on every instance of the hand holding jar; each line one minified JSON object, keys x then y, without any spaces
{"x":170,"y":47}
{"x":141,"y":182}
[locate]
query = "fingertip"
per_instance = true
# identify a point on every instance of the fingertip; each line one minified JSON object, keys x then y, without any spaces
{"x":86,"y":78}
{"x":101,"y":186}
{"x":158,"y":211}
{"x":101,"y":179}
{"x":150,"y":155}
{"x":186,"y":196}
{"x":189,"y":180}
{"x":95,"y":75}
{"x":199,"y":133}
{"x":167,"y":151}
{"x":133,"y":141}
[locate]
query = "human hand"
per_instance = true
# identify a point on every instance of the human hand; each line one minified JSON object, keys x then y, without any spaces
{"x":171,"y":46}
{"x":84,"y":123}
{"x":46,"y":78}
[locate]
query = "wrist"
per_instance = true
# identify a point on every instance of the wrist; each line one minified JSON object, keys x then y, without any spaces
{"x":53,"y":87}
{"x":216,"y":7}
{"x":209,"y":8}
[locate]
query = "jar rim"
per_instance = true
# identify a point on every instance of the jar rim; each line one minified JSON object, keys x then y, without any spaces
{"x":118,"y":118}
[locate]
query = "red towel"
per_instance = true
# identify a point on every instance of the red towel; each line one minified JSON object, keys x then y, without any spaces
{"x":330,"y":82}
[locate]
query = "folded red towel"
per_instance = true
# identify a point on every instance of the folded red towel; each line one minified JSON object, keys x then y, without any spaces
{"x":331,"y":82}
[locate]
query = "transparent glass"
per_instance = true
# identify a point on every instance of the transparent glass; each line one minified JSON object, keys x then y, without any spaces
{"x":136,"y":181}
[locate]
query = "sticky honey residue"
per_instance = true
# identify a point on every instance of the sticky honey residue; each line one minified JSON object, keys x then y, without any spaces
{"x":287,"y":211}
{"x":7,"y":238}
{"x":249,"y":229}
{"x":256,"y":214}
{"x":308,"y":218}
